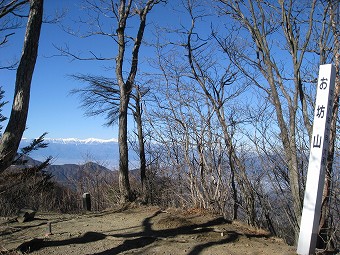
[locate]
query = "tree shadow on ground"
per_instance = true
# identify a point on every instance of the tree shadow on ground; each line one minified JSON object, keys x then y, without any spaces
{"x":142,"y":238}
{"x":39,"y":243}
{"x":11,"y":230}
{"x":149,"y":236}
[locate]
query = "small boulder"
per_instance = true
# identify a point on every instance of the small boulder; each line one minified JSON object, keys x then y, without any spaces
{"x":26,"y":215}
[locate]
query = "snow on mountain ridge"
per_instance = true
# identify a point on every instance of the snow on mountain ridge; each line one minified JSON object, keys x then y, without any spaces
{"x":78,"y":141}
{"x":78,"y":151}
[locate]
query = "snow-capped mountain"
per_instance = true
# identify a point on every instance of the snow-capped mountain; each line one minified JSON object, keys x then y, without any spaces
{"x":79,"y":151}
{"x":80,"y":141}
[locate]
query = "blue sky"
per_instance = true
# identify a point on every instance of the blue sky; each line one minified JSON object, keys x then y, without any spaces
{"x":52,"y":108}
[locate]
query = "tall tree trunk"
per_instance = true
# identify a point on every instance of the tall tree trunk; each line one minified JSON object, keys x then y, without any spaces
{"x":324,"y":239}
{"x":124,"y":184}
{"x":17,"y":122}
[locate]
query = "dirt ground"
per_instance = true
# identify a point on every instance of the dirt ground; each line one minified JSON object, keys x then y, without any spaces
{"x":138,"y":230}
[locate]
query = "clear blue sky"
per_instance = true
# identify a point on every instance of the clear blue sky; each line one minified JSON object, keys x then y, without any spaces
{"x":52,"y":108}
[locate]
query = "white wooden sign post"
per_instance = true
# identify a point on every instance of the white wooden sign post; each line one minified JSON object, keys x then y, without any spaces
{"x":310,"y":219}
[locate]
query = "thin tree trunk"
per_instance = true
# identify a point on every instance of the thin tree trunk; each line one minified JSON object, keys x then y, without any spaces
{"x":17,"y":122}
{"x":138,"y":118}
{"x":234,"y":189}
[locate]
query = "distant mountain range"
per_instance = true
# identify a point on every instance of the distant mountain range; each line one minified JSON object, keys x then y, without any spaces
{"x":78,"y":151}
{"x":71,"y":174}
{"x":75,"y":175}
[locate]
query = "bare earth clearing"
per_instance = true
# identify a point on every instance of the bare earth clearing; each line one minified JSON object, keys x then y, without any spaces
{"x":139,"y":230}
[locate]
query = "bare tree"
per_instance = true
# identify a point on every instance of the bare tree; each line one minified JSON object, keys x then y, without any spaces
{"x":101,"y":96}
{"x":11,"y":138}
{"x":284,"y":87}
{"x":125,"y":74}
{"x":126,"y":85}
{"x":193,"y":81}
{"x":219,"y":91}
